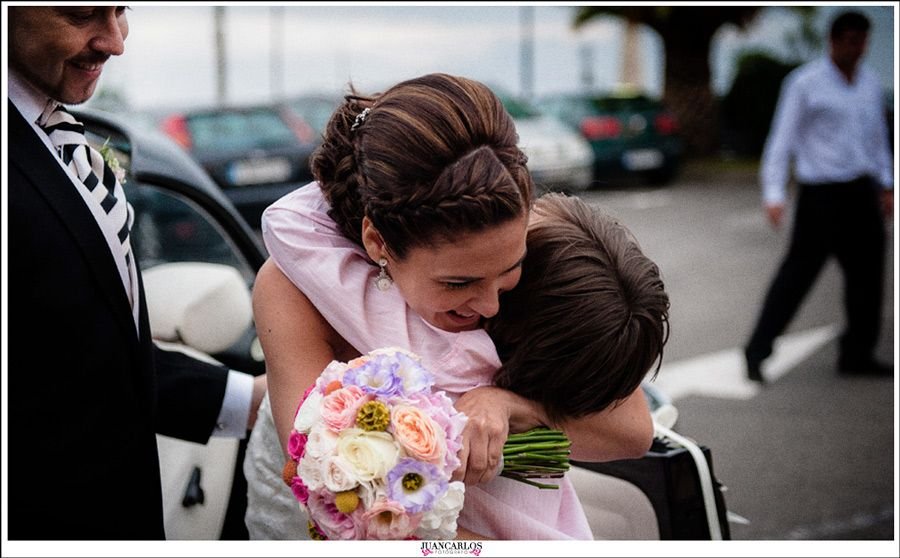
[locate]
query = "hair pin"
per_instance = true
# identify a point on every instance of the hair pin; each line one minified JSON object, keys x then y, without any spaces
{"x":360,"y":118}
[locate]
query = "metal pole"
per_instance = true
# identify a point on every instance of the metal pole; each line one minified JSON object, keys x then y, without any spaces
{"x":586,"y":58}
{"x":221,"y":62}
{"x":276,"y":59}
{"x":526,"y":17}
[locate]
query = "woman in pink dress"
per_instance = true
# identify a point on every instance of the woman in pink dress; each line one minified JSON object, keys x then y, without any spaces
{"x":426,"y":181}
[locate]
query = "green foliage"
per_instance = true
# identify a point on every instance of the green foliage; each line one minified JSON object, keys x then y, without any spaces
{"x":749,"y":105}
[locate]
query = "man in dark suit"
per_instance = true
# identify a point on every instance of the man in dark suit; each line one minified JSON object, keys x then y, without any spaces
{"x":88,"y":389}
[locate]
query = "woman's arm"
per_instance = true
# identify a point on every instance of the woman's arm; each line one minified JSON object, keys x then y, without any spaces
{"x":624,"y":431}
{"x":297,"y":342}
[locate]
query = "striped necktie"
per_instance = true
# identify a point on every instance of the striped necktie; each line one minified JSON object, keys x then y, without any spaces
{"x":67,"y":136}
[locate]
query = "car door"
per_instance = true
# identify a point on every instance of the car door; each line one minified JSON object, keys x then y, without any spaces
{"x":199,"y":260}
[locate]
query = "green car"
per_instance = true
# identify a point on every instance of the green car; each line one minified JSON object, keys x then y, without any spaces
{"x":631,"y":134}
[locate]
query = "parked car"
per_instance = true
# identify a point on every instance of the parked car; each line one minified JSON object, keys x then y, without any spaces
{"x":200,"y":258}
{"x":630,"y":133}
{"x":314,"y":109}
{"x":256,"y":154}
{"x":558,"y":158}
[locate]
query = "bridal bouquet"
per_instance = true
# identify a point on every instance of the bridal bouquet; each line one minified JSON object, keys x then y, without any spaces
{"x":373,"y":448}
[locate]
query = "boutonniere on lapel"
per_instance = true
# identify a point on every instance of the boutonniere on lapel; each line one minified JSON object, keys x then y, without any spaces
{"x":109,"y":155}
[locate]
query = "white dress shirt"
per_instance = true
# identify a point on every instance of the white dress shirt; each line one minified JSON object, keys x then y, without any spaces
{"x":232,"y":420}
{"x":831,"y":130}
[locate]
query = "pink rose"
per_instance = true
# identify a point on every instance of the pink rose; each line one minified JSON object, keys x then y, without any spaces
{"x":335,"y":524}
{"x":440,"y":408}
{"x":300,"y":490}
{"x":387,"y":520}
{"x":418,"y":434}
{"x":296,"y":444}
{"x":339,"y":407}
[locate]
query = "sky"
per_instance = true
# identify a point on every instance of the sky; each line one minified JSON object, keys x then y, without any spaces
{"x":302,"y":47}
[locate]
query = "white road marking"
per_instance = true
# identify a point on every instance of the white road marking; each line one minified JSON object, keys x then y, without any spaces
{"x":723,"y":374}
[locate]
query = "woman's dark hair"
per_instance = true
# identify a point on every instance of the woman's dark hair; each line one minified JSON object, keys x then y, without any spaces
{"x":434,"y":157}
{"x":589,"y":317}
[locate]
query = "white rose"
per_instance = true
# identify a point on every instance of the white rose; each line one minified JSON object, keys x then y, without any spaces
{"x":309,"y":412}
{"x":338,"y":475}
{"x":370,"y":454}
{"x":321,"y":441}
{"x":309,"y":470}
{"x":439,"y":523}
{"x":334,"y":371}
{"x":370,"y":492}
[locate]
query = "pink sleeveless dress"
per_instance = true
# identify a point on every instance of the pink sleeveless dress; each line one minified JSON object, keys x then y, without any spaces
{"x":338,"y":278}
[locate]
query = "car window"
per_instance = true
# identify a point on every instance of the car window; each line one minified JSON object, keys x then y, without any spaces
{"x":168,"y":227}
{"x":570,"y":110}
{"x":619,"y":104}
{"x":518,"y":108}
{"x":316,"y":112}
{"x":239,"y":130}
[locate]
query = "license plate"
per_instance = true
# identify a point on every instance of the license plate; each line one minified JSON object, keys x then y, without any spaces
{"x":642,"y":159}
{"x":260,"y":171}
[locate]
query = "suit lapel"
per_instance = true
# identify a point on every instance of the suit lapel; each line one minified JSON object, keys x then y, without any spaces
{"x":27,"y":152}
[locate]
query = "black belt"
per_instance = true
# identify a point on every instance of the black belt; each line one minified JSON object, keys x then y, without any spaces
{"x":855,"y":183}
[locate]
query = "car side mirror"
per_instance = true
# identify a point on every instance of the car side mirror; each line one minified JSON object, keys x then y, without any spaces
{"x":205,"y":306}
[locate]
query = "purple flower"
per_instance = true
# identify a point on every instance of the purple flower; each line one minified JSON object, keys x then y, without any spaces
{"x":377,"y":375}
{"x":415,"y":484}
{"x":414,"y":377}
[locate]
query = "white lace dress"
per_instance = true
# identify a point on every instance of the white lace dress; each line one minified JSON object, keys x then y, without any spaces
{"x":273,"y":513}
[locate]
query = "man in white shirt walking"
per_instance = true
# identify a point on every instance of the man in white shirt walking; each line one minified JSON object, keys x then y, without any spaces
{"x":829,"y":129}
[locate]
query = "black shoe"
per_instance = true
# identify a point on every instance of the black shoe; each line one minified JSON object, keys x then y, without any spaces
{"x":869,"y":367}
{"x":753,"y":371}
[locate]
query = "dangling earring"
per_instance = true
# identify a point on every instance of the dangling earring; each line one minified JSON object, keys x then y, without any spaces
{"x":383,"y":282}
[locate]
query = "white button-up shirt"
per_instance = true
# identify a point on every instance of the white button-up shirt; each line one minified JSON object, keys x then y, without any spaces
{"x":31,"y":103}
{"x":831,"y":130}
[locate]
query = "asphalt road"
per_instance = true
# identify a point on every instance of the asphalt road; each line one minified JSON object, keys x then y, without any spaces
{"x":811,"y":456}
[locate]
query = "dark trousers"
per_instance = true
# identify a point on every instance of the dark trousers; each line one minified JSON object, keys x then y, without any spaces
{"x":840,"y":219}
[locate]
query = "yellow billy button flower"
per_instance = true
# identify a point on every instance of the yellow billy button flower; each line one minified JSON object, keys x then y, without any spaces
{"x":373,"y":416}
{"x":346,"y":501}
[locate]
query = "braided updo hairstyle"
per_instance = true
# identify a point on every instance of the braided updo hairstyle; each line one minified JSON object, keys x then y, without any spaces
{"x":434,"y":157}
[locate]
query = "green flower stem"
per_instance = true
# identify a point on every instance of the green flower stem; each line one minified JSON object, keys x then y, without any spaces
{"x":540,"y":453}
{"x":536,"y":470}
{"x":516,"y":448}
{"x":528,"y":437}
{"x":537,"y":455}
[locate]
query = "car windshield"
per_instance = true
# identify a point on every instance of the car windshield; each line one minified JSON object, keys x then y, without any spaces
{"x":239,"y":130}
{"x":316,"y":112}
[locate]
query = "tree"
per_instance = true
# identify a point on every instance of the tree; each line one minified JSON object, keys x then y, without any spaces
{"x":687,"y":33}
{"x":748,"y":107}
